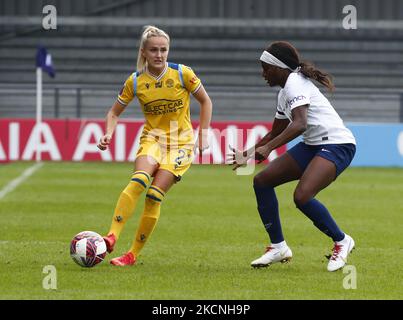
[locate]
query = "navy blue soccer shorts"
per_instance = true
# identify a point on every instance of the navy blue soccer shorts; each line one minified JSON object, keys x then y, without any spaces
{"x":340,"y":154}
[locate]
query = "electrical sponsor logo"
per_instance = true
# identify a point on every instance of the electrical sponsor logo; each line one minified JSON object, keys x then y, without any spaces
{"x":162,"y":106}
{"x":295,"y":99}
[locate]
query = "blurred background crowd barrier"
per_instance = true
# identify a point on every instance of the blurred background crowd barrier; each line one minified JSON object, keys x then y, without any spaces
{"x":95,"y":43}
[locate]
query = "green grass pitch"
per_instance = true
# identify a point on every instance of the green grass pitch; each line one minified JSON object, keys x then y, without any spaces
{"x":208,"y":233}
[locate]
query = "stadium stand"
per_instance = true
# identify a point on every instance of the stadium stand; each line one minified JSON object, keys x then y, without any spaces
{"x":92,"y":60}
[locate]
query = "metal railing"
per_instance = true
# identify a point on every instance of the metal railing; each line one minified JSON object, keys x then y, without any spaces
{"x":322,"y":24}
{"x":358,"y":105}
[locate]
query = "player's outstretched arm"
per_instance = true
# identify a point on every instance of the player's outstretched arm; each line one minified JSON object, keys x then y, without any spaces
{"x":239,"y":158}
{"x":293,"y":130}
{"x":111,"y":122}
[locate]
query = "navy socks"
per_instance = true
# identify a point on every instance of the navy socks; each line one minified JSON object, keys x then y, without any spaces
{"x":267,"y":206}
{"x":322,"y":219}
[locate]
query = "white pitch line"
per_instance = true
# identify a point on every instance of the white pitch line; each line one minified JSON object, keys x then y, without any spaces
{"x":17,"y":181}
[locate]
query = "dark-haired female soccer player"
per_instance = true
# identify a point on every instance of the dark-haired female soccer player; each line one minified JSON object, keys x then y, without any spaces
{"x":166,"y":143}
{"x":327,"y":149}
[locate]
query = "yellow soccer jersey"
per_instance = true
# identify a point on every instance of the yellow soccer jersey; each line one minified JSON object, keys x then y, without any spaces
{"x":165,"y":102}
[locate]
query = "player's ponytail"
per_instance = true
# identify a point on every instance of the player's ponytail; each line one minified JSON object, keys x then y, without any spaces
{"x":289,"y":55}
{"x":148,"y":32}
{"x":308,"y":69}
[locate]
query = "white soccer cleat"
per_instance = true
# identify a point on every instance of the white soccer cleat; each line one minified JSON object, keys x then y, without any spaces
{"x":341,"y":250}
{"x":273,"y":255}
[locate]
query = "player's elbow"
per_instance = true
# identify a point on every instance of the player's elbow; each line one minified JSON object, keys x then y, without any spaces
{"x":206,"y":102}
{"x":300,"y":126}
{"x":206,"y":106}
{"x":303,"y":127}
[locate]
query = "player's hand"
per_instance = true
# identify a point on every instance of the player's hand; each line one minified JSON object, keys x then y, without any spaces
{"x":236,"y":158}
{"x":104,"y":142}
{"x":262,"y":153}
{"x":202,"y":143}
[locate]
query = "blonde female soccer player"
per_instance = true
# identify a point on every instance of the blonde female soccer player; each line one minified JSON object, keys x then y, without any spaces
{"x":166,"y":144}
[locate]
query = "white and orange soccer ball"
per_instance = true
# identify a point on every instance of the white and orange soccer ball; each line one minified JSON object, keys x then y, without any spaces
{"x":87,"y":249}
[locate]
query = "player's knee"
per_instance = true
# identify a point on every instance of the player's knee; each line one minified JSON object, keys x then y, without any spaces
{"x":139,"y":182}
{"x":264,"y":180}
{"x":301,"y":197}
{"x":258,"y":181}
{"x":154,"y":196}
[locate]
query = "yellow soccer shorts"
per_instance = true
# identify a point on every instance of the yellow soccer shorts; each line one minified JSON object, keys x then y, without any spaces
{"x":176,"y":160}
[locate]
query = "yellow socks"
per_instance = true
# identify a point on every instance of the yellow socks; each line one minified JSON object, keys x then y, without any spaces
{"x":149,"y":219}
{"x":127,"y":203}
{"x":128,"y":200}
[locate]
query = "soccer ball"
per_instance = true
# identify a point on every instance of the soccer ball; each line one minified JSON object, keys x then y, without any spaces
{"x":87,"y":249}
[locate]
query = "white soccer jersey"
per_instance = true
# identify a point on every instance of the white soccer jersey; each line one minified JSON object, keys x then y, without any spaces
{"x":324,"y":124}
